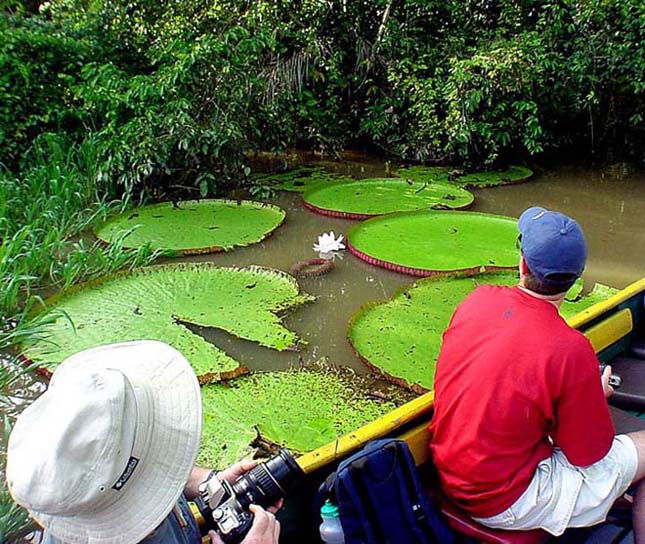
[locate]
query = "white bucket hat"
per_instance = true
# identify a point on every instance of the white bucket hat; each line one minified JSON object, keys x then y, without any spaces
{"x":104,"y":454}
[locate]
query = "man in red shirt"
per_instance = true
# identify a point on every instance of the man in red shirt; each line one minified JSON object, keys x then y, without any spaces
{"x":522,"y":436}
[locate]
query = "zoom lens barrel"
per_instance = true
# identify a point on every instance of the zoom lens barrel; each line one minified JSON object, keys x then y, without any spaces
{"x":268,"y":481}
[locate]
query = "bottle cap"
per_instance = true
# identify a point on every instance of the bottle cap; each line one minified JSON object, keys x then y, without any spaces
{"x":329,"y":510}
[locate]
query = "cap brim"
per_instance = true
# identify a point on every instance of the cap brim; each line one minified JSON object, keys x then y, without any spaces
{"x":162,"y":473}
{"x":529,"y":215}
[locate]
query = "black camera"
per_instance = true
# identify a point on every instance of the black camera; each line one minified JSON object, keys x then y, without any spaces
{"x":224,"y":507}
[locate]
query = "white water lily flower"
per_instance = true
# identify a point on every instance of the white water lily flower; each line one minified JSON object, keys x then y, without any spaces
{"x":328,"y":242}
{"x":331,"y":255}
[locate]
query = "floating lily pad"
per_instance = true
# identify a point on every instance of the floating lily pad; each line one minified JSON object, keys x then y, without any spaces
{"x":490,"y":178}
{"x":370,"y":197}
{"x":426,"y":243}
{"x":401,"y":338}
{"x":300,"y":409}
{"x":154,"y":303}
{"x":301,"y":179}
{"x":195,"y":226}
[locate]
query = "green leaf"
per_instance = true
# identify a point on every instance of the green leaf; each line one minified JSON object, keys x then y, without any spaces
{"x":385,"y":195}
{"x":438,"y":241}
{"x":195,"y":226}
{"x":300,"y":409}
{"x":157,"y":302}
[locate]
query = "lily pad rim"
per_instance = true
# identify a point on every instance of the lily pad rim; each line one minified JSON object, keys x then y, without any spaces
{"x":198,"y":250}
{"x":47,"y":304}
{"x":423,"y":272}
{"x":393,"y":179}
{"x":527,"y":174}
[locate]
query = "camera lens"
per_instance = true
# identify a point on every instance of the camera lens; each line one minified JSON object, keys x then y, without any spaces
{"x":267,"y":482}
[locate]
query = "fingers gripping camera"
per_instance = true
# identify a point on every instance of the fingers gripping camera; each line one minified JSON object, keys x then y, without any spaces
{"x":225,"y":507}
{"x":231,"y":521}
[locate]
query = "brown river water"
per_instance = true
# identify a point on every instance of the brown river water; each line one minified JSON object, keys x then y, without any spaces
{"x":608,"y":202}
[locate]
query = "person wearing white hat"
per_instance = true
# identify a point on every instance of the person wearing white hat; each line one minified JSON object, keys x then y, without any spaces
{"x":107,"y":453}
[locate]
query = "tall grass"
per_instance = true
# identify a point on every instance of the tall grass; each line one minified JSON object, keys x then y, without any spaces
{"x":56,"y":199}
{"x":14,"y":521}
{"x":44,"y":211}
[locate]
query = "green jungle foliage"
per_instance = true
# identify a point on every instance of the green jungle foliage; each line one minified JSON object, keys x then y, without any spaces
{"x":438,"y":241}
{"x":378,"y":196}
{"x":195,"y":226}
{"x":330,"y":403}
{"x":401,"y":337}
{"x":175,"y":94}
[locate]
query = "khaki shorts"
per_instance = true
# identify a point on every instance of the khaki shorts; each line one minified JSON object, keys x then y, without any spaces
{"x":562,"y":495}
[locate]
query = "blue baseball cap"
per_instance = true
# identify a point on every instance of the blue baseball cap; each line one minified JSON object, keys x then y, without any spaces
{"x":553,"y":246}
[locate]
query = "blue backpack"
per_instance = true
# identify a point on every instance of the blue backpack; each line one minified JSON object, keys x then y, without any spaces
{"x":381,"y":500}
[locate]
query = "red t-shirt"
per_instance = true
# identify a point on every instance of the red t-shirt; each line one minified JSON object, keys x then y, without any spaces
{"x":511,"y":377}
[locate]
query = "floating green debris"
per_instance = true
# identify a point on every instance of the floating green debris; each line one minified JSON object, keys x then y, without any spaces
{"x":378,"y":196}
{"x":425,"y":243}
{"x":300,"y":409}
{"x":195,"y":226}
{"x":576,"y":302}
{"x":491,"y":178}
{"x":401,"y":337}
{"x":425,"y":173}
{"x":155,"y":303}
{"x":301,"y":179}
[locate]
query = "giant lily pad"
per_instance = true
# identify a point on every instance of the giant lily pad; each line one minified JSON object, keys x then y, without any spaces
{"x":155,"y":303}
{"x":370,"y":197}
{"x":401,"y":337}
{"x":490,"y":178}
{"x":426,"y":243}
{"x":301,"y":409}
{"x":195,"y":226}
{"x":301,"y":179}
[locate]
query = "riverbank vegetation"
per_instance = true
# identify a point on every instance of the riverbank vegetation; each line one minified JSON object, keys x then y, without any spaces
{"x":103,"y":104}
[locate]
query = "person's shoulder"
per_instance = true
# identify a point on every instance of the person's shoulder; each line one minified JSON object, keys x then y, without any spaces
{"x":488,"y":289}
{"x":575,"y":339}
{"x":486,"y":294}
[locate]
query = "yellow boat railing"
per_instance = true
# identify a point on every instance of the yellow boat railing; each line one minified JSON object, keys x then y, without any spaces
{"x":601,"y":335}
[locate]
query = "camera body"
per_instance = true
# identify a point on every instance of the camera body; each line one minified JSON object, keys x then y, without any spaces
{"x":224,"y":507}
{"x":614,"y":380}
{"x":222,"y":511}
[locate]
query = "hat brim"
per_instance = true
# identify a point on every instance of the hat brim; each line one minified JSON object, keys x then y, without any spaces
{"x":160,"y":477}
{"x":528,"y":215}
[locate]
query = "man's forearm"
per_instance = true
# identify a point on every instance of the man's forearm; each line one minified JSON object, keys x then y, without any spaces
{"x":197,"y":476}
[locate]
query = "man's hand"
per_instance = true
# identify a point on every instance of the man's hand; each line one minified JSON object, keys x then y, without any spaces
{"x":235,"y":471}
{"x":265,"y":528}
{"x":608,"y":389}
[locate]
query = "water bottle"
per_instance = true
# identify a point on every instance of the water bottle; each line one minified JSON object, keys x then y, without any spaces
{"x":331,"y":531}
